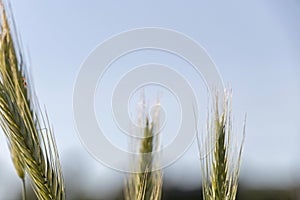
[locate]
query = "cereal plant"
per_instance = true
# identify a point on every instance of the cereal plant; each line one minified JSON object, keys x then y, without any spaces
{"x":27,"y":129}
{"x":221,"y":156}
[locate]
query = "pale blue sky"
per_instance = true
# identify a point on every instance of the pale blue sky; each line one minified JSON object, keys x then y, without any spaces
{"x":255,"y":44}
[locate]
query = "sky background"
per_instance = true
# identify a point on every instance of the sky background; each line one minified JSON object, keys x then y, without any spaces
{"x":255,"y":45}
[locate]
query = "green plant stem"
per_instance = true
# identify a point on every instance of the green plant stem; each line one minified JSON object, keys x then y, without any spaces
{"x":23,"y":189}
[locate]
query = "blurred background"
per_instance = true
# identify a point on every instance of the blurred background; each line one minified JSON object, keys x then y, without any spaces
{"x":255,"y":45}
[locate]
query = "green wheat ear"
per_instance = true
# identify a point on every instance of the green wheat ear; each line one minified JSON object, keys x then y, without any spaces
{"x":220,"y":166}
{"x":29,"y":135}
{"x":146,"y":185}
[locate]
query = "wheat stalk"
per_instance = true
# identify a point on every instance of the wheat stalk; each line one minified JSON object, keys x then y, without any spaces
{"x":28,"y":131}
{"x":220,"y":166}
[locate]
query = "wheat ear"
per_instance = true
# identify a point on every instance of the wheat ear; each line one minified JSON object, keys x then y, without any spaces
{"x":220,"y":167}
{"x":28,"y":131}
{"x":146,"y":185}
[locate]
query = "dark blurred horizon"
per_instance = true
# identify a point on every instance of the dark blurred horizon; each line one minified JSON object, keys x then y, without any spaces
{"x":174,"y":193}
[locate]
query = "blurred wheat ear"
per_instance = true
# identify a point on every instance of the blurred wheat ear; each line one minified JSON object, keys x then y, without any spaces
{"x":29,"y":135}
{"x":146,"y":185}
{"x":221,"y":156}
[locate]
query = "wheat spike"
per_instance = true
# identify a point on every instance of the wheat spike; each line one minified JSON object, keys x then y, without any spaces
{"x":28,"y":131}
{"x":220,"y":167}
{"x":146,"y":185}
